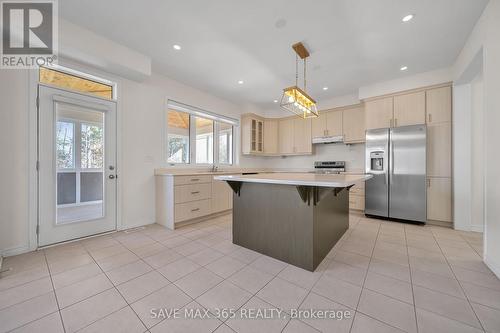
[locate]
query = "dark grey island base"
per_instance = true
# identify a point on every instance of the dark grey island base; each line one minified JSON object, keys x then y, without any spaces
{"x":295,"y":224}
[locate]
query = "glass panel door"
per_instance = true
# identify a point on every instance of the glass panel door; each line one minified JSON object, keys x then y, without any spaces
{"x":79,"y":160}
{"x":77,"y":174}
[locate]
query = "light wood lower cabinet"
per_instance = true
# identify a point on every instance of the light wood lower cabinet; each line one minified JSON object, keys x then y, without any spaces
{"x":439,"y":198}
{"x":357,"y":197}
{"x":222,"y":196}
{"x":180,"y":199}
{"x":191,"y":210}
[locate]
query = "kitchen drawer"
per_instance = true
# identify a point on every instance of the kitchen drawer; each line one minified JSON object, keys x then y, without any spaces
{"x":191,"y":210}
{"x":194,"y":179}
{"x":193,"y":192}
{"x":356,"y":202}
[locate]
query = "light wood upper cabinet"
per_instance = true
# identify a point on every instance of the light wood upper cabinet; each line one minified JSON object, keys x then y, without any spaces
{"x":329,"y":123}
{"x":334,"y":123}
{"x":302,"y":136}
{"x":252,"y":135}
{"x":271,"y":136}
{"x":378,"y":113}
{"x":318,"y":126}
{"x":353,"y":124}
{"x":438,"y":105}
{"x":409,"y":109}
{"x":286,"y":136}
{"x":439,"y":194}
{"x":439,"y":150}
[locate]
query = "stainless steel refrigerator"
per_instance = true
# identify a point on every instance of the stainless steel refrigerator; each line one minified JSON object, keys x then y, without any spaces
{"x":396,"y":157}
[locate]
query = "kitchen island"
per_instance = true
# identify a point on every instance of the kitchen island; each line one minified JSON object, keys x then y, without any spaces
{"x":293,"y":217}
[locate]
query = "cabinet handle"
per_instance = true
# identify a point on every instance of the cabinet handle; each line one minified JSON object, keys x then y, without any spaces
{"x":428,"y":182}
{"x":195,"y":192}
{"x":195,"y":179}
{"x":430,"y":117}
{"x":195,"y":210}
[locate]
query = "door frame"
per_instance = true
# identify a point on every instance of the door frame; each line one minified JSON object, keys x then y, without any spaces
{"x":32,"y":149}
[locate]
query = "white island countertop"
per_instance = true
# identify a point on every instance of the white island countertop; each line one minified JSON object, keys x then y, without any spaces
{"x":301,"y":179}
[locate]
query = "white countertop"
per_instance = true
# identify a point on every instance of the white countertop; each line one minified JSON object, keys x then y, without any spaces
{"x":303,"y":179}
{"x":235,"y":170}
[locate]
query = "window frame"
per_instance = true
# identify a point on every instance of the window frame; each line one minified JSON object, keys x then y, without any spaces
{"x":81,"y":75}
{"x":194,"y":113}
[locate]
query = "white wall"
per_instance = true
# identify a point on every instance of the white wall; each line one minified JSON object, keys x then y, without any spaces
{"x":484,"y":38}
{"x":461,"y":128}
{"x":14,"y":135}
{"x":477,"y":154}
{"x":406,"y":83}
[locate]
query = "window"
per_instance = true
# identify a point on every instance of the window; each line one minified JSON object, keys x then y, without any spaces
{"x":225,"y":143}
{"x":65,"y":145}
{"x":204,"y":141}
{"x":178,"y":136}
{"x":208,"y":141}
{"x":80,"y":163}
{"x":64,"y":80}
{"x":91,"y":146}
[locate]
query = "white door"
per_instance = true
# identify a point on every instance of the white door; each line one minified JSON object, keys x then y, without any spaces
{"x":77,"y":165}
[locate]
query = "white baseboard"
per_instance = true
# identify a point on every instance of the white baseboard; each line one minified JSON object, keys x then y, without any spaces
{"x":14,"y":251}
{"x":495,"y":268}
{"x":476,"y":228}
{"x":135,"y":225}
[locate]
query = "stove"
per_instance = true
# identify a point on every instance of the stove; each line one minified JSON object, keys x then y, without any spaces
{"x":329,"y":167}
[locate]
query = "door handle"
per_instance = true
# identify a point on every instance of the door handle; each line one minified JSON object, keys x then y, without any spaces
{"x":112,"y":176}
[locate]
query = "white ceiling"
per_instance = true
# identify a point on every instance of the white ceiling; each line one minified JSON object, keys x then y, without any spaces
{"x":352,"y":42}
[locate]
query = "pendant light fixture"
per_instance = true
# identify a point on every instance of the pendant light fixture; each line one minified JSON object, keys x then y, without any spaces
{"x":295,"y":99}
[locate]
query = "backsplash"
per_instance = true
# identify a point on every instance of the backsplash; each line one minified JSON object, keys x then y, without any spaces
{"x":353,"y":155}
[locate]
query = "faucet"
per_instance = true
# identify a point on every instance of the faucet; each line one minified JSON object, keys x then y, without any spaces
{"x":215,"y":168}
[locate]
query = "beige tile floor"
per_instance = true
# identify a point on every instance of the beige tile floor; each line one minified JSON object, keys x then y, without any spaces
{"x":390,"y":277}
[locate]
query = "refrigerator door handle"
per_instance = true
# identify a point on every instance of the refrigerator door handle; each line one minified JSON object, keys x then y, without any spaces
{"x":391,"y":161}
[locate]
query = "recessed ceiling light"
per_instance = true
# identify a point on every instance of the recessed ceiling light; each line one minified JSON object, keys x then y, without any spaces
{"x":240,"y":82}
{"x":404,"y":68}
{"x":407,"y":18}
{"x":176,"y":47}
{"x":325,"y":88}
{"x":275,"y":101}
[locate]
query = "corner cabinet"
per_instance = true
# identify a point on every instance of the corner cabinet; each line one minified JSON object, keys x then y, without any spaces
{"x":252,"y":135}
{"x":271,"y":140}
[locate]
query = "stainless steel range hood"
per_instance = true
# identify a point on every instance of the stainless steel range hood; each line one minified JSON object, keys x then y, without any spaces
{"x":328,"y":139}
